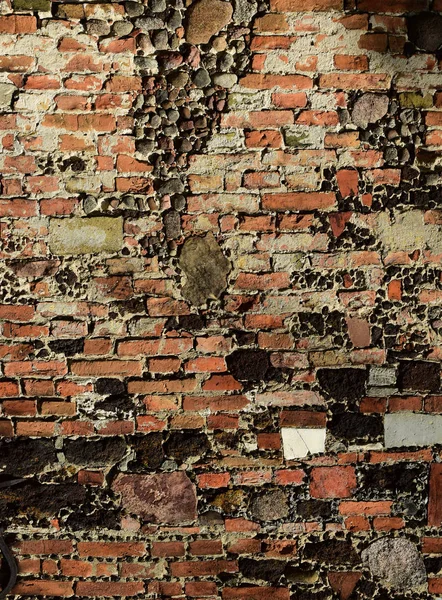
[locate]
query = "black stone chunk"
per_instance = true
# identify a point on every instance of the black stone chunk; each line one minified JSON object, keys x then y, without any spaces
{"x":331,"y":552}
{"x":425,"y":31}
{"x":67,"y":347}
{"x":357,"y":427}
{"x":343,"y":384}
{"x":265,"y":570}
{"x":391,"y":480}
{"x":188,"y":444}
{"x":149,"y":451}
{"x":419,"y":376}
{"x":248,"y":365}
{"x":40,"y":500}
{"x":110,"y":386}
{"x":26,"y":457}
{"x":312,"y":509}
{"x":97,"y":453}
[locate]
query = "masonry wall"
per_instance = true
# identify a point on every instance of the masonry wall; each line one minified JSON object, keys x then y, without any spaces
{"x":220,"y":298}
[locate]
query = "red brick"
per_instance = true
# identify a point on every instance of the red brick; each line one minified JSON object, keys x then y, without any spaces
{"x":332,"y":482}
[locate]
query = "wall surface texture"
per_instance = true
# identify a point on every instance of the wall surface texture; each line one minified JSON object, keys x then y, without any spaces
{"x":220,"y":299}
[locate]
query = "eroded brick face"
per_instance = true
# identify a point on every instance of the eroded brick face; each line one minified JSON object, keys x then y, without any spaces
{"x":220,"y":298}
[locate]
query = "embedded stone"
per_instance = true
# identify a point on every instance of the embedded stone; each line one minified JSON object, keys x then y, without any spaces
{"x":99,"y":453}
{"x":6,"y":92}
{"x":229,"y":501}
{"x":406,"y":232}
{"x":343,"y":384}
{"x":396,"y":562}
{"x":167,"y":498}
{"x":419,"y":376}
{"x":26,"y":457}
{"x":369,"y":108}
{"x":190,"y":444}
{"x":298,"y":443}
{"x":425,"y":31}
{"x":85,"y":236}
{"x":244,"y":10}
{"x":206,"y":18}
{"x":410,"y":429}
{"x":248,"y":365}
{"x":205,"y":267}
{"x":415,"y":100}
{"x":42,"y":5}
{"x":271,"y":506}
{"x":148,"y":450}
{"x":331,"y":552}
{"x":265,"y":570}
{"x":226,"y":80}
{"x":343,"y":583}
{"x":172,"y":224}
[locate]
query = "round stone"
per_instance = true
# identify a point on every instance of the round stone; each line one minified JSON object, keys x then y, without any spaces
{"x":225,"y":80}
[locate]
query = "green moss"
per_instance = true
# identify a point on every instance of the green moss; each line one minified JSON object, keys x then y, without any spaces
{"x":415,"y":100}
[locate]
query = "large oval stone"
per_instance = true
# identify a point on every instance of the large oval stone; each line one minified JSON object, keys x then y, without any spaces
{"x":206,"y":18}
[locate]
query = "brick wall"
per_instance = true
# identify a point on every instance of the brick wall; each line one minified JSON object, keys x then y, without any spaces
{"x":220,"y":298}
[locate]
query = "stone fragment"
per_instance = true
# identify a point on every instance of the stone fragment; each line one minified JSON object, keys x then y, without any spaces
{"x":172,"y":224}
{"x":356,"y":427}
{"x":42,"y":5}
{"x":298,"y":443}
{"x":121,"y":28}
{"x":415,"y":100}
{"x":134,"y":9}
{"x":167,"y":498}
{"x":331,"y":552}
{"x":229,"y":501}
{"x":40,"y":500}
{"x":265,"y":570}
{"x":271,"y":506}
{"x":148,"y":450}
{"x":205,"y":19}
{"x":244,"y":11}
{"x":201,"y":78}
{"x":85,"y":236}
{"x":6,"y":93}
{"x":358,"y":332}
{"x":185,"y":445}
{"x":396,"y":562}
{"x":248,"y":365}
{"x":26,"y":457}
{"x":205,"y":267}
{"x":382,"y":376}
{"x":97,"y":27}
{"x":343,"y":582}
{"x":97,"y":453}
{"x":343,"y":384}
{"x":406,"y":232}
{"x":369,"y":108}
{"x":425,"y":30}
{"x":226,"y":80}
{"x":410,"y":429}
{"x":419,"y":376}
{"x":299,"y":575}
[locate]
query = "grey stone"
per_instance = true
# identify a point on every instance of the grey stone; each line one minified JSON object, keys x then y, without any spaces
{"x":167,"y":498}
{"x":410,"y":429}
{"x":85,"y":236}
{"x":206,"y":18}
{"x":134,"y":9}
{"x":397,"y":562}
{"x":160,"y":39}
{"x":149,"y":23}
{"x":201,"y":78}
{"x":157,"y":5}
{"x":173,"y":186}
{"x":97,"y":27}
{"x":382,"y":376}
{"x":244,"y":10}
{"x":425,"y":31}
{"x":172,"y":224}
{"x":369,"y":108}
{"x":225,"y":80}
{"x":122,"y":28}
{"x":178,"y":79}
{"x":205,"y":267}
{"x":407,"y":232}
{"x":271,"y":506}
{"x":6,"y":92}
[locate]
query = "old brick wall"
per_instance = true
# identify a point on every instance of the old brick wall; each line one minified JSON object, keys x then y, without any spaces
{"x":220,"y":298}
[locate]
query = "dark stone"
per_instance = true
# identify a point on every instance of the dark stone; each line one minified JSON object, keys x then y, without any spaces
{"x":331,"y":552}
{"x":79,"y":520}
{"x":40,"y":500}
{"x":425,"y":30}
{"x":211,"y":517}
{"x":392,"y":480}
{"x":116,"y":404}
{"x":229,"y":501}
{"x":419,"y":376}
{"x":313,"y":509}
{"x":357,"y":427}
{"x":265,"y":570}
{"x":97,"y":453}
{"x":205,"y":267}
{"x":110,"y":386}
{"x":248,"y":365}
{"x":22,"y":457}
{"x":172,"y":224}
{"x":343,"y":384}
{"x":149,"y":450}
{"x":272,"y":505}
{"x":433,"y":565}
{"x":67,"y":347}
{"x":182,"y":445}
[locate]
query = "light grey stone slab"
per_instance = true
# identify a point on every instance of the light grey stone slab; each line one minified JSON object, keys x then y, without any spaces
{"x":382,"y":376}
{"x":85,"y":236}
{"x":410,"y":429}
